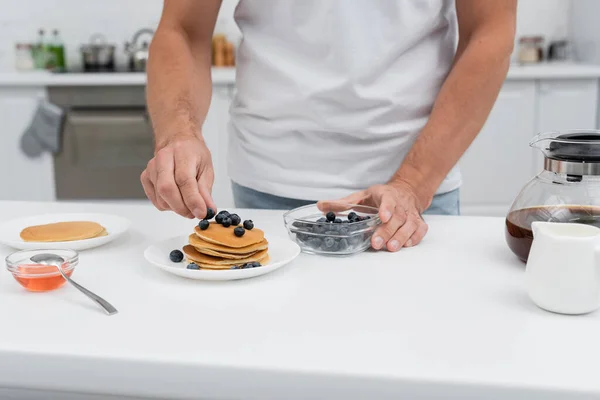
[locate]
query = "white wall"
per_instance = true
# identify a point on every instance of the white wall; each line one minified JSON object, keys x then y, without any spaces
{"x":119,"y":19}
{"x":77,"y":20}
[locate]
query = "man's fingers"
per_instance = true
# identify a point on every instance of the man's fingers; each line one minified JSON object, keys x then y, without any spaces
{"x":187,"y":182}
{"x":387,"y":230}
{"x":386,"y":208}
{"x":342,"y":204}
{"x":419,"y":234}
{"x":166,"y":187}
{"x":403,"y":234}
{"x":205,"y":189}
{"x":149,"y":189}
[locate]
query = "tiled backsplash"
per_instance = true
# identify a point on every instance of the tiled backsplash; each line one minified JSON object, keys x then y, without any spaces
{"x":77,"y":20}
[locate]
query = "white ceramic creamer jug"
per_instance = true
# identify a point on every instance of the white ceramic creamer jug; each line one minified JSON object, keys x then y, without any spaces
{"x":563,"y":268}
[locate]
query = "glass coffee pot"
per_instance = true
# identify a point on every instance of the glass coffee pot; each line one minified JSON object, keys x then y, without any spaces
{"x":567,"y":190}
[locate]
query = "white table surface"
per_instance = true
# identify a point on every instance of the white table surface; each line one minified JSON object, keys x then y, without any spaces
{"x":446,"y":319}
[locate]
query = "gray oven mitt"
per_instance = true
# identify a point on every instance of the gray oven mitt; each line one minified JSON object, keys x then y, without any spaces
{"x":44,"y":132}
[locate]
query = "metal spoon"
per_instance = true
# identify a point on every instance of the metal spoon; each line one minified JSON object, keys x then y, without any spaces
{"x":57,"y":261}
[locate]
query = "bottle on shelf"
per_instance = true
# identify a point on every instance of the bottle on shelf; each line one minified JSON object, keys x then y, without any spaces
{"x":39,"y":52}
{"x":57,"y":50}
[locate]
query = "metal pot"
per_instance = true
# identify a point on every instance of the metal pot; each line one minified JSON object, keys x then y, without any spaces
{"x":98,"y":56}
{"x":138,"y":53}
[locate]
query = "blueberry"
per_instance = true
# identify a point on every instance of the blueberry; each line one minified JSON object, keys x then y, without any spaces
{"x":344,"y":231}
{"x":355,"y":240}
{"x":352,"y":216}
{"x":210,"y":213}
{"x":193,"y":266}
{"x":219,"y":218}
{"x":314,"y":243}
{"x":328,"y":243}
{"x":224,"y":213}
{"x":330,"y":216}
{"x":319,"y":229}
{"x":321,"y":220}
{"x":366,"y":217}
{"x":248,"y":224}
{"x":332,"y":233}
{"x":342,"y":245}
{"x":176,"y":256}
{"x":236,"y":267}
{"x":345,"y":221}
{"x":235,"y":219}
{"x":204,"y":224}
{"x":303,"y":237}
{"x":239,"y":231}
{"x":337,"y":221}
{"x":226,"y":222}
{"x":255,"y":264}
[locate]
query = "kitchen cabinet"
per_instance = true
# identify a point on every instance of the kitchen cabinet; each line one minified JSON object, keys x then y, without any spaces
{"x":22,"y":178}
{"x":215,"y":132}
{"x":567,"y":104}
{"x":498,"y":163}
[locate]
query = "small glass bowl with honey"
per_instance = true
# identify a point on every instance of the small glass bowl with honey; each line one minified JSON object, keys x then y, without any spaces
{"x":37,"y":277}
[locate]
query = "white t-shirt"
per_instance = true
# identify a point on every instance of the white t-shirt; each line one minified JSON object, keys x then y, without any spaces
{"x":331,"y":94}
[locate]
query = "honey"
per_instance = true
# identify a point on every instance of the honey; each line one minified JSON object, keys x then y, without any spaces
{"x":40,"y":278}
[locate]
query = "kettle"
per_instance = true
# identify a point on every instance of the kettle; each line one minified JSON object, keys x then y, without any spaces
{"x":138,"y":53}
{"x":567,"y":190}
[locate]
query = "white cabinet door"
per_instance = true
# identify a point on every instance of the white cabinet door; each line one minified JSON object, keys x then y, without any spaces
{"x":216,"y":136}
{"x":567,"y":104}
{"x":563,"y":105}
{"x":498,"y":163}
{"x":22,"y":178}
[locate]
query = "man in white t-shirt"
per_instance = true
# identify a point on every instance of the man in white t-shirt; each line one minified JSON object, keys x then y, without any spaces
{"x":372,"y":101}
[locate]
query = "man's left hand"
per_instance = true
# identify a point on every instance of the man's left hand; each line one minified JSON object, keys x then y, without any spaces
{"x":399,"y":211}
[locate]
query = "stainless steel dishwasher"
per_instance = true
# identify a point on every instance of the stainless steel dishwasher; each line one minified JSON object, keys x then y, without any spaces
{"x":106,"y":142}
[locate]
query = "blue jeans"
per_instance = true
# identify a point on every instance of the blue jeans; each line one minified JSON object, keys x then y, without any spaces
{"x":442,"y":204}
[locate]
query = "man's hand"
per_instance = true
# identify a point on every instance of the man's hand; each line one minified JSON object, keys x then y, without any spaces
{"x":399,"y":210}
{"x":180,"y":178}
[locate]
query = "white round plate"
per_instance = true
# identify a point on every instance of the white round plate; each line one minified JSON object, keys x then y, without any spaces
{"x":281,"y":252}
{"x":10,"y":230}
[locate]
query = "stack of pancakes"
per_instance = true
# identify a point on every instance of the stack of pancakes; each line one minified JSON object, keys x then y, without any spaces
{"x":219,"y":248}
{"x":63,"y":231}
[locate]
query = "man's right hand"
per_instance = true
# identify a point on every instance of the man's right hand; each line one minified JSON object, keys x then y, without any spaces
{"x":180,"y":178}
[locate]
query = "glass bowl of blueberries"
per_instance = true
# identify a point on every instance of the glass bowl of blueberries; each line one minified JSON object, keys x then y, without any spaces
{"x":334,"y":229}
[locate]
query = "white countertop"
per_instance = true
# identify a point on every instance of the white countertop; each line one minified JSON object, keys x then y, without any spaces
{"x":446,"y":319}
{"x":553,"y":70}
{"x":226,"y":76}
{"x":220,"y":76}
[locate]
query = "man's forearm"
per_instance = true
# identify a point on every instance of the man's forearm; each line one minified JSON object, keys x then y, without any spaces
{"x":459,"y":113}
{"x":179,"y":85}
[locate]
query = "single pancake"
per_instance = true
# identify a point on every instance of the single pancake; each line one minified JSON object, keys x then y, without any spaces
{"x":218,"y":234}
{"x":202,"y":259}
{"x":198,"y":243}
{"x":264,"y":261}
{"x":62,"y":231}
{"x":214,"y":253}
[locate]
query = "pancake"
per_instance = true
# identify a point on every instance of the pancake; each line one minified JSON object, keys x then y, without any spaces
{"x":215,"y":253}
{"x":198,"y":243}
{"x":103,"y":233}
{"x":264,"y":261}
{"x":204,"y":260}
{"x":62,"y":231}
{"x":218,"y":234}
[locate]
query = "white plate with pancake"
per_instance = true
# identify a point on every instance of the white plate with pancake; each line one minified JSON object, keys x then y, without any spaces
{"x":281,"y":252}
{"x":114,"y":226}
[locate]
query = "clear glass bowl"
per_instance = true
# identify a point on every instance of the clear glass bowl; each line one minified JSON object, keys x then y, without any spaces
{"x":332,"y":239}
{"x":39,"y":277}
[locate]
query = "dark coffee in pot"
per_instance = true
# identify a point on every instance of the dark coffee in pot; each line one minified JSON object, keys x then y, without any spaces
{"x":519,"y":235}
